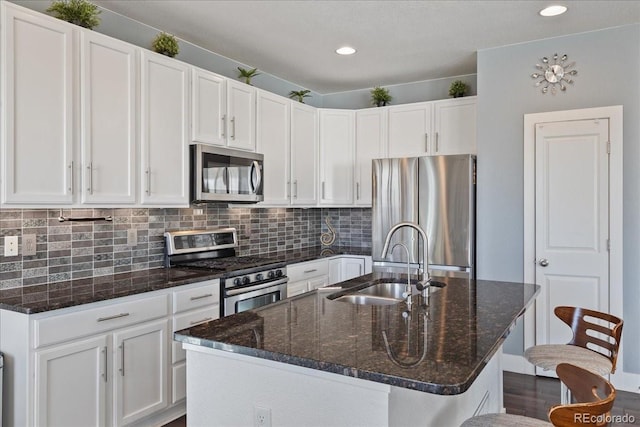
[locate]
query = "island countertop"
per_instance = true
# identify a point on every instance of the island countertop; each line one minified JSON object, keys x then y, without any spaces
{"x":437,"y":348}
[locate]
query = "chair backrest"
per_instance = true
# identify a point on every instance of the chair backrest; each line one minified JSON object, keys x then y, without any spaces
{"x":594,"y":394}
{"x":575,"y":318}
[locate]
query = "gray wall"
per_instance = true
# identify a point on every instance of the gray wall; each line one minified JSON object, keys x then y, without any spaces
{"x":608,"y":64}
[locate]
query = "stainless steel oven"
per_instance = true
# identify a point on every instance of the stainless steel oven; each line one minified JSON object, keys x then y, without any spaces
{"x":254,"y":290}
{"x":225,"y":175}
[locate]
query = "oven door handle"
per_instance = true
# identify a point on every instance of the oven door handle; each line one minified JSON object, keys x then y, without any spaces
{"x":232,"y":292}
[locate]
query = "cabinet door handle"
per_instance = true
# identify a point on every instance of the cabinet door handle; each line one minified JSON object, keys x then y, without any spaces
{"x":437,"y":141}
{"x":148,"y":174}
{"x":122,"y":359}
{"x":206,"y":319}
{"x":201,"y":296}
{"x":106,"y":365}
{"x":357,"y":191}
{"x":70,"y":177}
{"x":223,"y":129}
{"x":233,"y":127}
{"x":310,"y":271}
{"x":295,"y":189}
{"x":426,"y":142}
{"x":90,"y":170}
{"x":117,"y":316}
{"x":323,"y":189}
{"x":288,"y":189}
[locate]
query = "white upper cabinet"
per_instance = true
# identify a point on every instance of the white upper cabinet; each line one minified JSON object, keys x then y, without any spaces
{"x":208,"y":108}
{"x":304,"y":154}
{"x":273,"y":141}
{"x":337,"y":156}
{"x":108,"y":119}
{"x":455,"y":126}
{"x":241,"y":116}
{"x":410,"y":129}
{"x":371,"y":143}
{"x":38,"y":91}
{"x":164,"y":126}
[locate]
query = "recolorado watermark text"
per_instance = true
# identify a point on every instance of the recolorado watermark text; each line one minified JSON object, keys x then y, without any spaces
{"x":586,"y":418}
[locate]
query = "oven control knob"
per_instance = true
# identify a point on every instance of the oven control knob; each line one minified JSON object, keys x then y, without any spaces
{"x":236,"y":281}
{"x":271,"y":274}
{"x":259,"y":277}
{"x":245,"y":280}
{"x":278,"y":273}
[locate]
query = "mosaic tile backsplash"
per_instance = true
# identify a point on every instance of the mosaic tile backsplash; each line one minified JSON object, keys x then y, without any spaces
{"x":73,"y":250}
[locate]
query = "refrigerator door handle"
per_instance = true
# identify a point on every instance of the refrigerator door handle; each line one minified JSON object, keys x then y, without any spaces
{"x":426,"y":142}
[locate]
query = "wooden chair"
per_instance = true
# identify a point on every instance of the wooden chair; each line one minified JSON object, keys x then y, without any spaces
{"x":594,"y":394}
{"x":593,"y":347}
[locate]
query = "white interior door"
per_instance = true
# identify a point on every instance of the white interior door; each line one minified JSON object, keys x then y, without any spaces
{"x":572,"y":221}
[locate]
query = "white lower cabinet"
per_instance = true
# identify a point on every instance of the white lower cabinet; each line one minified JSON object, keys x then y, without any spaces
{"x":71,"y":383}
{"x":348,"y":267}
{"x":110,"y":363}
{"x":307,"y":276}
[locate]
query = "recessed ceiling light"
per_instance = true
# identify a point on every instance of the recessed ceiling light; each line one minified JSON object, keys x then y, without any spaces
{"x":553,"y":10}
{"x":345,"y":50}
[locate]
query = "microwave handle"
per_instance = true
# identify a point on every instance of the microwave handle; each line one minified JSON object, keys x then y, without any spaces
{"x":255,"y":165}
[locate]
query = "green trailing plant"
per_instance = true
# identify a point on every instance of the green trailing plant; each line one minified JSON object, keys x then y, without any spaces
{"x":247,"y":75}
{"x":166,"y":44}
{"x":458,"y":88}
{"x":79,"y":12}
{"x":299,"y":95}
{"x":380,"y":96}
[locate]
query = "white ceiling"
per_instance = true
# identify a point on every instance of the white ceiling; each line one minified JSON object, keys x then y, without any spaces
{"x":397,"y":41}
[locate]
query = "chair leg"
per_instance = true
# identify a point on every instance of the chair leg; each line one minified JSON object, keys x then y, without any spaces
{"x":565,"y":394}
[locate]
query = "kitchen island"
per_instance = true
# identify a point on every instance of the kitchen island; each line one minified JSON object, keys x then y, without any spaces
{"x":317,"y":360}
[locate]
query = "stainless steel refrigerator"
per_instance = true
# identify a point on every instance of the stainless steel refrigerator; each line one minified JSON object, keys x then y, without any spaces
{"x":436,"y":192}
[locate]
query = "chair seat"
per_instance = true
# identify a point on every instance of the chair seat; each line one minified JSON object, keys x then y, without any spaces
{"x":548,"y":356}
{"x":504,"y":420}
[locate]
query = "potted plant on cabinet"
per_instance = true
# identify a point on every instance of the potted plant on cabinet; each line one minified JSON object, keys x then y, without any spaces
{"x":458,"y":88}
{"x":166,"y":44}
{"x":380,"y":96}
{"x":247,"y":75}
{"x":78,"y":12}
{"x":299,"y":95}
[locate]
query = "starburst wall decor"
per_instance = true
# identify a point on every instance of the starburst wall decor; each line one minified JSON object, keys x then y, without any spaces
{"x":554,"y":73}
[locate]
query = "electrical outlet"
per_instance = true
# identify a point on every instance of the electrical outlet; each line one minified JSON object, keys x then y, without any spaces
{"x":198,"y":211}
{"x":28,"y":245}
{"x":261,"y":417}
{"x":132,"y":237}
{"x":11,"y":246}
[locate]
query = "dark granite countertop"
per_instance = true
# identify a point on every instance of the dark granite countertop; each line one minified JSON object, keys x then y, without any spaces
{"x":437,"y":349}
{"x":54,"y":296}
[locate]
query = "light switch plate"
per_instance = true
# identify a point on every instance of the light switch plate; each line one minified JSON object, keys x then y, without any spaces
{"x":132,"y":237}
{"x":28,"y":245}
{"x":11,"y":246}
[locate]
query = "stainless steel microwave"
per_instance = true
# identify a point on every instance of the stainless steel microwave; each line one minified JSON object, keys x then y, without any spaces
{"x":224,"y":175}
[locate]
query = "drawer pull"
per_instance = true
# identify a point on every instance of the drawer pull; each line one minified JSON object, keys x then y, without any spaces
{"x":206,"y":319}
{"x":201,"y":296}
{"x":117,"y":316}
{"x":310,"y":271}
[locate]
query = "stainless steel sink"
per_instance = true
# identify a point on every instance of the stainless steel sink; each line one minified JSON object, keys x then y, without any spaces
{"x":381,"y":293}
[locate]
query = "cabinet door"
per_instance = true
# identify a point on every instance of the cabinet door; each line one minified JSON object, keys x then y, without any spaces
{"x":371,"y":141}
{"x":304,"y":154}
{"x":335,"y":271}
{"x":272,"y":134}
{"x":71,"y":384}
{"x":455,"y":126}
{"x":352,"y":267}
{"x":164,"y":163}
{"x":410,"y":130}
{"x":318,"y":282}
{"x":337,"y":157}
{"x":38,"y":88}
{"x":208,"y":108}
{"x":108,"y":121}
{"x":241,"y":111}
{"x":141,"y":371}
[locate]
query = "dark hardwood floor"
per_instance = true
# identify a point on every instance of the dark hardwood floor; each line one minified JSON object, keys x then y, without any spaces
{"x":532,"y":396}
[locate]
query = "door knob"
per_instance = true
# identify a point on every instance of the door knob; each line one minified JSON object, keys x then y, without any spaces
{"x":543,"y":262}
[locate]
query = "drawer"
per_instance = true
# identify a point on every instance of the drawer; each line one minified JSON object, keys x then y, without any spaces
{"x":306,"y":270}
{"x":92,"y":321}
{"x":186,"y":320}
{"x":205,"y":293}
